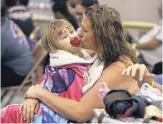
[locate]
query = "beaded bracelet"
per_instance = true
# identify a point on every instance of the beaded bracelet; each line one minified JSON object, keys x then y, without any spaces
{"x":153,"y":83}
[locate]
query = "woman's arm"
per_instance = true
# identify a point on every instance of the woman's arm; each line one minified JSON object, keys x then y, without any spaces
{"x":71,"y":109}
{"x":74,"y":110}
{"x":158,"y":86}
{"x":155,"y":85}
{"x":42,"y":83}
{"x":83,"y":110}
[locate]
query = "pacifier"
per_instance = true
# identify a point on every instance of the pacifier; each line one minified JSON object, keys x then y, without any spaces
{"x":75,"y":42}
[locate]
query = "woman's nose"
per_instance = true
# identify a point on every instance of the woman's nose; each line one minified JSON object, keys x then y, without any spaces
{"x":80,"y":33}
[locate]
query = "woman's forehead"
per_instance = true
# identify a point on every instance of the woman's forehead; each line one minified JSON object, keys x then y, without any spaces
{"x":86,"y":23}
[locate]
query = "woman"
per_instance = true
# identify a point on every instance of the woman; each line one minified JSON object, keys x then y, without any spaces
{"x":83,"y":110}
{"x":102,"y":32}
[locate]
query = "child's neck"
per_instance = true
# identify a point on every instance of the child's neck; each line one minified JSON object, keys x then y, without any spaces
{"x":80,"y":54}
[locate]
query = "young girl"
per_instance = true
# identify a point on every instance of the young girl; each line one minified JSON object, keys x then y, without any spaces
{"x":69,"y":74}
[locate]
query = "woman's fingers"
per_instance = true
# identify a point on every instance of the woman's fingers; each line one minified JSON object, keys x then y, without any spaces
{"x":134,"y":71}
{"x":27,"y":109}
{"x":27,"y":113}
{"x":37,"y":108}
{"x":128,"y":71}
{"x":20,"y":109}
{"x":139,"y":72}
{"x":142,"y":71}
{"x":124,"y":71}
{"x":31,"y":114}
{"x":150,"y":75}
{"x":24,"y":109}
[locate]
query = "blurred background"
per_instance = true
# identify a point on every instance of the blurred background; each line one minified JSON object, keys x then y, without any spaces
{"x":130,"y":10}
{"x":142,"y":21}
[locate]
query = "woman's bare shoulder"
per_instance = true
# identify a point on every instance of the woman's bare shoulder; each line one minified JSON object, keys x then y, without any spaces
{"x":114,"y":79}
{"x":114,"y":69}
{"x":112,"y":75}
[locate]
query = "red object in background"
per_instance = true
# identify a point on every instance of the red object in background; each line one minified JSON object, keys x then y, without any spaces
{"x":41,"y":78}
{"x":75,"y":42}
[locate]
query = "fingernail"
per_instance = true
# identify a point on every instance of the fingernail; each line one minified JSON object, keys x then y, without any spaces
{"x":140,"y":79}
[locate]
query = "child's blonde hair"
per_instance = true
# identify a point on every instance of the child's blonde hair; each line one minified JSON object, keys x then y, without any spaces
{"x":53,"y":33}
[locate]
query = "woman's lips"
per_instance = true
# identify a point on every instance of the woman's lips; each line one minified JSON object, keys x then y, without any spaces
{"x":75,"y":42}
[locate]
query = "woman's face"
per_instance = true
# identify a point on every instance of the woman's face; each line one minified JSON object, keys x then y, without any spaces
{"x":86,"y":34}
{"x":69,"y":41}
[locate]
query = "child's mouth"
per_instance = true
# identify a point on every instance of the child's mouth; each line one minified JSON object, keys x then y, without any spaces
{"x":75,"y":42}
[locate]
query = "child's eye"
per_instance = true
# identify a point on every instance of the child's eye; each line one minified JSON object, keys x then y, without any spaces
{"x":64,"y":36}
{"x":71,"y":31}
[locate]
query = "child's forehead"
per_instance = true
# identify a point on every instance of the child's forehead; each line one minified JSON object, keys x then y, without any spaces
{"x":65,"y":29}
{"x":68,"y":28}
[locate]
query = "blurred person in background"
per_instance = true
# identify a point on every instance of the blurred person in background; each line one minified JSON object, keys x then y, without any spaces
{"x":80,"y":9}
{"x":61,"y":11}
{"x":71,"y":4}
{"x":16,"y":58}
{"x":82,"y":6}
{"x":20,"y":14}
{"x":150,"y":47}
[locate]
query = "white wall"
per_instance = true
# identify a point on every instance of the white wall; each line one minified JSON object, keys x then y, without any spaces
{"x":135,"y":10}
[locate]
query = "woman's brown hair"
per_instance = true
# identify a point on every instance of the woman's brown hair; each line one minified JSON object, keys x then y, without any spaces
{"x":109,"y":34}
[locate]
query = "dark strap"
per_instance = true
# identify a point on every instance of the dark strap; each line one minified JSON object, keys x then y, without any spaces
{"x":116,"y":94}
{"x":101,"y":118}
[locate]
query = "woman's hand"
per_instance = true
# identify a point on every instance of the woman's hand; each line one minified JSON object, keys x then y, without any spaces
{"x":28,"y":109}
{"x":139,"y":72}
{"x":33,"y":91}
